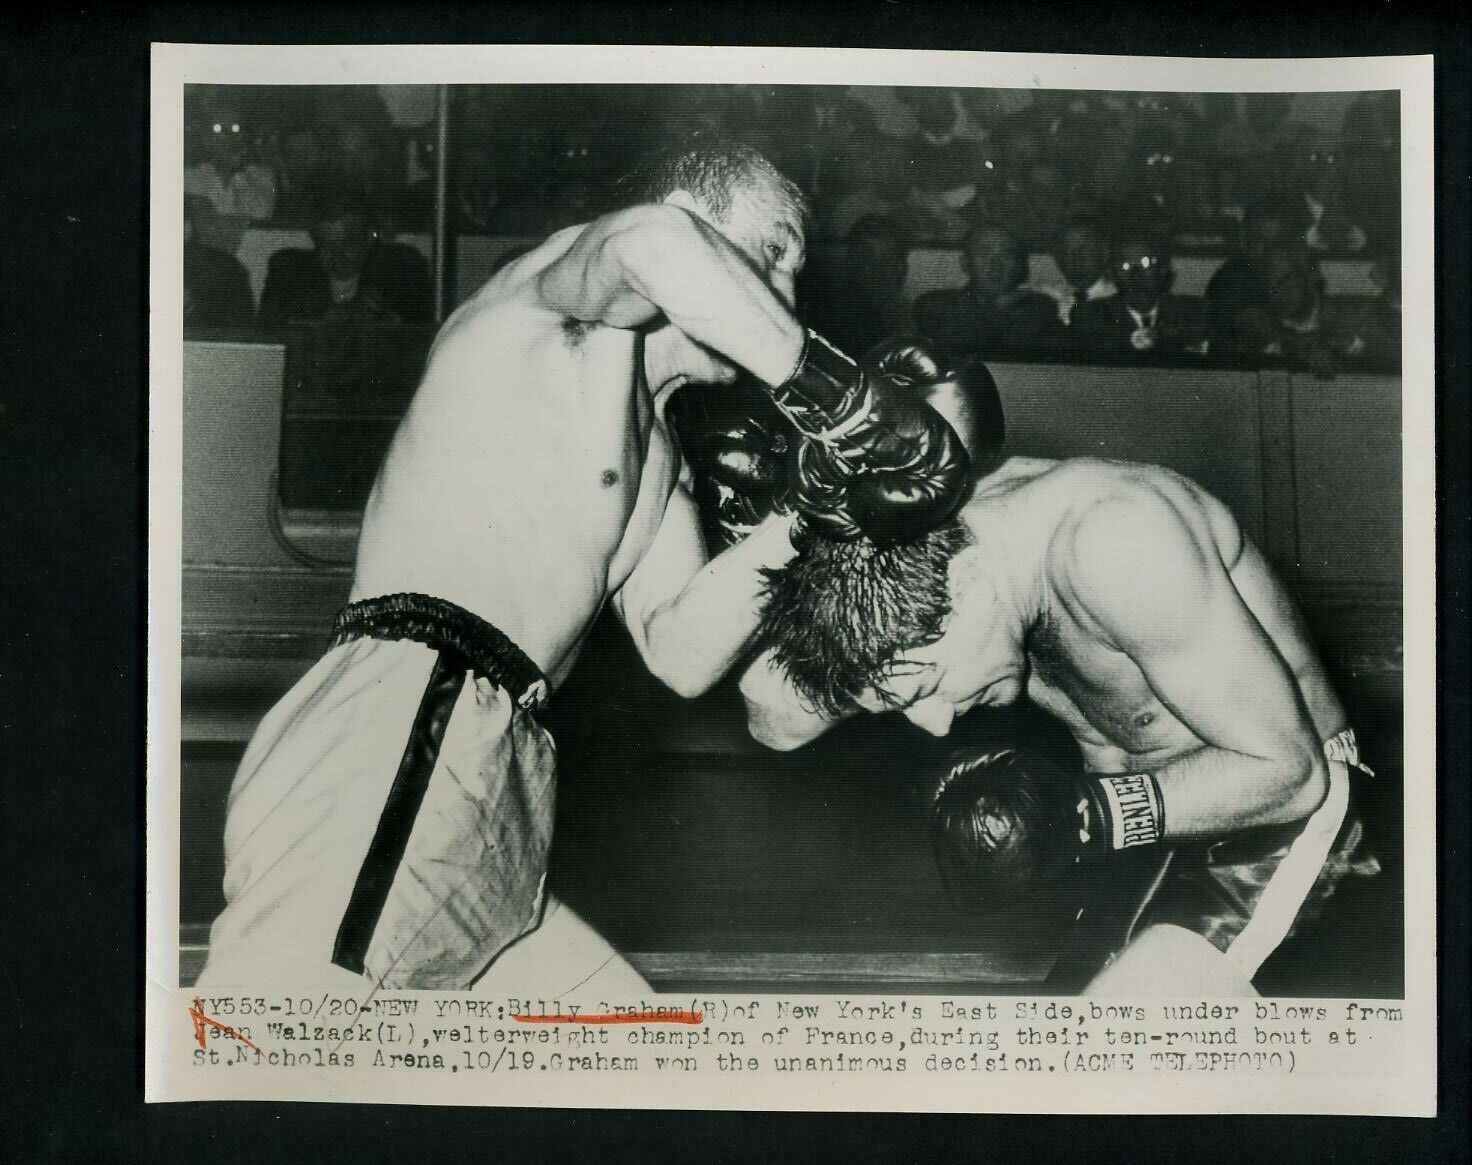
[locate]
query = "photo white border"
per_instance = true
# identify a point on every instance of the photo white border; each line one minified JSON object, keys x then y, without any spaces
{"x":173,"y":66}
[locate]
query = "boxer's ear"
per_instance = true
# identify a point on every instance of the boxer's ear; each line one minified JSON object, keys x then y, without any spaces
{"x":687,"y":201}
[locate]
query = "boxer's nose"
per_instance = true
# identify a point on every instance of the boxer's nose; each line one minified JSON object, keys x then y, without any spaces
{"x":932,"y":716}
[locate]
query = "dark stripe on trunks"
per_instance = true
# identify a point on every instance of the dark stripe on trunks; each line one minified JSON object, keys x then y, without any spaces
{"x":396,"y":823}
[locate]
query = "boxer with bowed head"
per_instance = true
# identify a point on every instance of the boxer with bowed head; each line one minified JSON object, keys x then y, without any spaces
{"x":1125,"y":601}
{"x":393,"y":813}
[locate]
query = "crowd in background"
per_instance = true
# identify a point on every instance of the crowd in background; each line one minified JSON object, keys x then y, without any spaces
{"x":1111,"y":186}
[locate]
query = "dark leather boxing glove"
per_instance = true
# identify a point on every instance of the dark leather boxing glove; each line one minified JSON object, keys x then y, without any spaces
{"x":964,"y":393}
{"x":878,"y":461}
{"x":739,"y":447}
{"x":1006,"y":825}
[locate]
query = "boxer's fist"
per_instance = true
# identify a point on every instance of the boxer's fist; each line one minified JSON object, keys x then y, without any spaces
{"x":881,"y":463}
{"x":1005,"y":825}
{"x":738,"y":447}
{"x":964,"y":394}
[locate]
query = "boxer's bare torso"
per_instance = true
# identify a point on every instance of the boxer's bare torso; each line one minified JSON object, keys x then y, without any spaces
{"x":530,"y":473}
{"x":533,"y":477}
{"x":1075,"y":672}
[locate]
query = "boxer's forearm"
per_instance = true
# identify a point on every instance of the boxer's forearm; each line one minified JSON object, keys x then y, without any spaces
{"x":1214,"y":791}
{"x":776,"y":714}
{"x":708,"y":289}
{"x":696,"y":637}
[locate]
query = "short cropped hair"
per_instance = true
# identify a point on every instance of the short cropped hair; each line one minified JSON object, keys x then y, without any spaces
{"x":839,"y":613}
{"x":712,"y":169}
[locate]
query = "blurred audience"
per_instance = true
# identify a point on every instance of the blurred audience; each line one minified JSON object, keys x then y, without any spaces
{"x":227,"y":173}
{"x":1377,"y":321}
{"x":216,"y":286}
{"x":1081,"y":255}
{"x":858,"y":300}
{"x":1315,"y":169}
{"x":999,"y":174}
{"x":349,"y":273}
{"x":1249,"y":146}
{"x":1238,"y":291}
{"x":1299,"y":323}
{"x":943,"y":169}
{"x":1142,"y":317}
{"x":993,"y":312}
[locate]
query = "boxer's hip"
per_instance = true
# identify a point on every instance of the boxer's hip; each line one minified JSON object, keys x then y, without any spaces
{"x":393,"y":814}
{"x":1247,"y":893}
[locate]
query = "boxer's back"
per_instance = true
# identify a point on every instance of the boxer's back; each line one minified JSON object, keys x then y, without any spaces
{"x":511,"y":482}
{"x":1100,"y":692}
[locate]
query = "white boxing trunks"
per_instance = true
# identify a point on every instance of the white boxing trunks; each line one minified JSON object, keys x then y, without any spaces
{"x":1246,"y":894}
{"x":392,"y":816}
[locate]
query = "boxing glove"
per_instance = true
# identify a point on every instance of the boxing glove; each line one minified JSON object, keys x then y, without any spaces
{"x":877,"y":461}
{"x":738,"y":446}
{"x":1006,"y":825}
{"x":964,"y":393}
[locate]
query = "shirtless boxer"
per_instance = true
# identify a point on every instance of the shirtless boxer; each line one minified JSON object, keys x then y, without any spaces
{"x":391,"y":818}
{"x":1125,"y":601}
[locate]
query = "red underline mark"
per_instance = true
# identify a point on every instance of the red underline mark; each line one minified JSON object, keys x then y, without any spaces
{"x":626,"y":1017}
{"x":202,"y":1021}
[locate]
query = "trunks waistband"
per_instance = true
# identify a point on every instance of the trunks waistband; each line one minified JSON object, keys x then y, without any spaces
{"x":1344,"y":748}
{"x":437,"y":623}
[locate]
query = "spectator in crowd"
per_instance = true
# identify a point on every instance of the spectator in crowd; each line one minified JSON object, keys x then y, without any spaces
{"x":1315,"y":167}
{"x":1157,"y":182}
{"x":216,"y":286}
{"x":1038,"y":206}
{"x":1378,"y":319}
{"x":869,"y":177}
{"x":993,"y":312}
{"x":1016,"y":146}
{"x":1237,"y":288}
{"x":235,"y":184}
{"x":1248,"y":147}
{"x":1300,"y":323}
{"x":361,"y":156}
{"x":1143,"y":317}
{"x":842,"y":126}
{"x":576,"y":192}
{"x":302,"y":166}
{"x":858,"y":300}
{"x":943,"y":165}
{"x":1081,"y":252}
{"x":348,"y":274}
{"x":1078,"y":139}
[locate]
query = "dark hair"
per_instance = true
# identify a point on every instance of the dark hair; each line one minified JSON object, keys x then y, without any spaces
{"x":712,"y":169}
{"x":1088,"y":220}
{"x":1147,"y":229}
{"x":1277,"y":208}
{"x":1011,"y":240}
{"x":335,"y":200}
{"x":839,"y":612}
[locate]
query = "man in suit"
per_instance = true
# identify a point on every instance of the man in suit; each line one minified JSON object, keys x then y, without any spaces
{"x":1142,"y":317}
{"x":216,"y":287}
{"x":350,"y":273}
{"x":993,"y":313}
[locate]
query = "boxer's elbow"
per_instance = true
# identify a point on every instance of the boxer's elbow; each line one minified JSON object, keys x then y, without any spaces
{"x":770,"y":732}
{"x":680,"y":674}
{"x":1305,"y":788}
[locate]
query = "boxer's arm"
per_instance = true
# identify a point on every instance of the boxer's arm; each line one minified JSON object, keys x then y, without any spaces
{"x":1163,"y":597}
{"x":777,"y":716}
{"x":628,"y":268}
{"x":689,"y":618}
